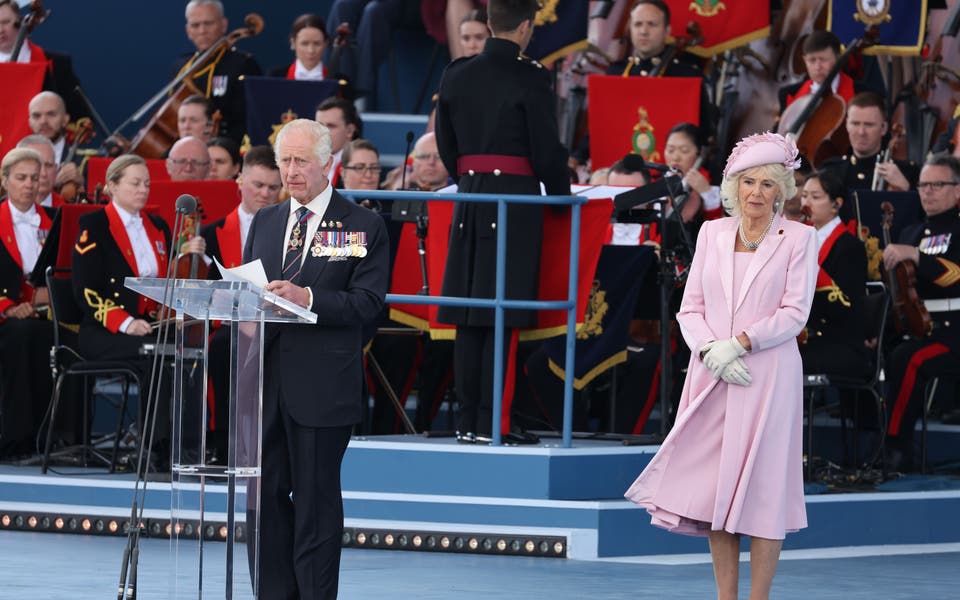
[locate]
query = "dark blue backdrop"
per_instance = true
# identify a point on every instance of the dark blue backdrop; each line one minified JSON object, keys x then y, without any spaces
{"x":123,"y":52}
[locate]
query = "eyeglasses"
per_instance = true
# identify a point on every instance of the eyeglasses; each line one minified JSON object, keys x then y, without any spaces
{"x":934,"y":185}
{"x":368,"y":169}
{"x":194,"y":163}
{"x":427,"y":156}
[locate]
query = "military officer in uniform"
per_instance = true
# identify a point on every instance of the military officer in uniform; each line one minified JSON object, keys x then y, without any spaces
{"x":866,"y":125}
{"x":219,"y":79}
{"x":497,"y":132}
{"x":935,"y":252}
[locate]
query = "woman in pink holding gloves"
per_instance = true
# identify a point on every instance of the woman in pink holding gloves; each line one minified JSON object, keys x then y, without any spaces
{"x":732,"y":464}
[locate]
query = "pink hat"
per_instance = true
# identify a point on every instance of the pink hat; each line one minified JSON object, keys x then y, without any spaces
{"x":762,"y":149}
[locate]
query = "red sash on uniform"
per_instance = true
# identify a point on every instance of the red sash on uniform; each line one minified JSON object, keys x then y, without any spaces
{"x":823,"y":278}
{"x":228,"y":238}
{"x":292,"y":71}
{"x":37,"y":55}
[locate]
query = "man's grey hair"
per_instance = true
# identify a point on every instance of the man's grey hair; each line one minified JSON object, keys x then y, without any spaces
{"x":36,"y":139}
{"x":195,"y":3}
{"x":318,"y":131}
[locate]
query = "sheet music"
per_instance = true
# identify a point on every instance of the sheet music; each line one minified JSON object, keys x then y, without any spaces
{"x":252,"y":272}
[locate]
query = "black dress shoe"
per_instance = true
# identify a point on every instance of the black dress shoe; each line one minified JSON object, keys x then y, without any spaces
{"x":521,"y":437}
{"x":466,"y":438}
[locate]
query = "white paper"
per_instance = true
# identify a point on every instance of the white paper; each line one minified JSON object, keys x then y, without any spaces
{"x":252,"y":272}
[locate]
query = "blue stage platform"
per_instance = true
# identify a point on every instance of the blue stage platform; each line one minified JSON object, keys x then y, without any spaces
{"x":416,"y":484}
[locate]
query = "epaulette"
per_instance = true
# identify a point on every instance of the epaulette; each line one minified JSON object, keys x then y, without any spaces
{"x":527,"y":59}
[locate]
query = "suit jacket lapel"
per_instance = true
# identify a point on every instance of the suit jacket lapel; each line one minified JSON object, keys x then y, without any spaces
{"x":763,"y":254}
{"x":337,"y":210}
{"x":726,"y":242}
{"x":273,"y":257}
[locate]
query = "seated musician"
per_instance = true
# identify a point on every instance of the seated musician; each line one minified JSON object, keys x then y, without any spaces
{"x":195,"y":117}
{"x":308,"y":40}
{"x":340,"y":116}
{"x":189,"y":160}
{"x":116,"y":242}
{"x":361,"y":170}
{"x":866,"y":126}
{"x":682,"y":152}
{"x":429,"y":174}
{"x":58,"y":76}
{"x":224,"y":159}
{"x":649,"y":31}
{"x":833,"y":343}
{"x":220,"y":79}
{"x":48,"y":117}
{"x":26,"y":335}
{"x":820,"y":51}
{"x":46,"y":195}
{"x":935,"y":254}
{"x":260,"y":186}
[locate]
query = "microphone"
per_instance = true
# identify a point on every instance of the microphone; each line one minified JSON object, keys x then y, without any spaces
{"x":657,"y":167}
{"x":406,"y":153}
{"x":186,"y":204}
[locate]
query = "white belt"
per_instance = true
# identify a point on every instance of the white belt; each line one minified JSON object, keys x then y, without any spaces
{"x":942,"y":304}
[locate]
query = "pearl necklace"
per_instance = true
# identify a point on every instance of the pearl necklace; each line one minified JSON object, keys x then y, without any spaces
{"x":753,"y":245}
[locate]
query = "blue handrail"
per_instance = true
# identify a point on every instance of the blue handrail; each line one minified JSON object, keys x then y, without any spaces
{"x":499,"y":303}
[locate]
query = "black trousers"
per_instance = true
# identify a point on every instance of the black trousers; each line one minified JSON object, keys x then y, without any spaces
{"x":25,"y":381}
{"x":473,"y":376}
{"x":912,"y":364}
{"x":300,"y":537}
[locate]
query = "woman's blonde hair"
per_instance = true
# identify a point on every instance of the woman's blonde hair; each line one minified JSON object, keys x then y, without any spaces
{"x":780,"y":174}
{"x":120,"y":164}
{"x":17,"y":156}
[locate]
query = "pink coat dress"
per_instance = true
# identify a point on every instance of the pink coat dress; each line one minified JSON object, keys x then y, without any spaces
{"x":733,"y":460}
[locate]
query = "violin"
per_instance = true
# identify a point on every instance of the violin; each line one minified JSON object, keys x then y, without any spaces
{"x":37,"y":16}
{"x":77,"y":133}
{"x":815,"y":119}
{"x":190,"y":265}
{"x":160,"y":132}
{"x":910,"y":315}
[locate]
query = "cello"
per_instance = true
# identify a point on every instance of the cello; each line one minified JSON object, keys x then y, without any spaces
{"x":910,"y":315}
{"x":160,"y":132}
{"x":37,"y":16}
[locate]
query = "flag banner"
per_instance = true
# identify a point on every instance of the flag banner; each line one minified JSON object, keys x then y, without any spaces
{"x":603,"y":338}
{"x":97,"y":171}
{"x":634,"y":114}
{"x":725,"y":24}
{"x":273,"y":102}
{"x":554,"y":265}
{"x":561,"y":28}
{"x":901,"y":24}
{"x":21,"y":82}
{"x":215,"y":199}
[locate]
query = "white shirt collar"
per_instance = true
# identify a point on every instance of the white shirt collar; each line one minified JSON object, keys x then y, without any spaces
{"x":824,"y":232}
{"x":314,"y":74}
{"x":14,"y":211}
{"x":24,"y":54}
{"x":833,"y":86}
{"x":58,"y":147}
{"x":126,"y":216}
{"x":48,"y":201}
{"x":318,"y":205}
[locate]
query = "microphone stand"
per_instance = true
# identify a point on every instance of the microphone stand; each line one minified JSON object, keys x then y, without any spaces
{"x":127,"y":586}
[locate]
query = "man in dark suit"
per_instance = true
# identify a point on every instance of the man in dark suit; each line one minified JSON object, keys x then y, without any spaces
{"x":220,"y":78}
{"x":331,"y":256}
{"x":497,"y":132}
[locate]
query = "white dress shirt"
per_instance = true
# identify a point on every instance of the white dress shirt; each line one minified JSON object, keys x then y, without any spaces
{"x":333,"y":167}
{"x":301,"y":73}
{"x":142,"y":249}
{"x":48,"y":201}
{"x":26,"y":226}
{"x":59,"y":149}
{"x":824,"y":232}
{"x":317,"y":207}
{"x":24,"y":54}
{"x":245,"y":220}
{"x":833,"y":86}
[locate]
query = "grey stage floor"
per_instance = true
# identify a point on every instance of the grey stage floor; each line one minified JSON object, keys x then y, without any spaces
{"x":54,"y":567}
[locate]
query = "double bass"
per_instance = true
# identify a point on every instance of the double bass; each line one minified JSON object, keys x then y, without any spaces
{"x":160,"y":132}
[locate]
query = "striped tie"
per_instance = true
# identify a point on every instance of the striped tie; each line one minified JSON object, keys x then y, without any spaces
{"x":292,"y":262}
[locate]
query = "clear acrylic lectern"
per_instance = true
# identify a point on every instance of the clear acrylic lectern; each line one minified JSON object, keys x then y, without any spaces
{"x":216,"y":501}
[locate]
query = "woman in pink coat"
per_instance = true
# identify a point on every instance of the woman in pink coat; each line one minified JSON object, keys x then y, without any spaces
{"x":732,"y":464}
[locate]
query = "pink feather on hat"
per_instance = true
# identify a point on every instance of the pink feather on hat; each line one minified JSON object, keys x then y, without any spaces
{"x":763,"y":149}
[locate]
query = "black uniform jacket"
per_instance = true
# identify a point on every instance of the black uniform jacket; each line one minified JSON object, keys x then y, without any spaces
{"x":857,"y":174}
{"x":13,"y":287}
{"x":223,"y":86}
{"x":223,"y":242}
{"x":841,"y":285}
{"x":498,"y":102}
{"x":938,"y":274}
{"x":102,"y":258}
{"x":320,"y":367}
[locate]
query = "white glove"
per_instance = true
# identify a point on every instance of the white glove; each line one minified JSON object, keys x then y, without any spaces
{"x":722,"y":353}
{"x":703,"y":352}
{"x":737,"y":373}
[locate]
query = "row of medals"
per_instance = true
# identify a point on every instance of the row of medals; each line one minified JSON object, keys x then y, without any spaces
{"x":334,"y":243}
